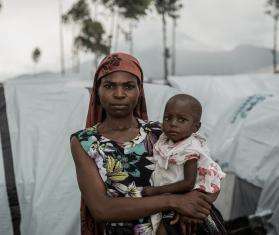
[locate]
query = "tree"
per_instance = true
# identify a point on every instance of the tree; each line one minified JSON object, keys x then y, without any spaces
{"x":36,"y":55}
{"x":78,"y":12}
{"x":91,"y":39}
{"x":167,"y":8}
{"x":132,"y":10}
{"x":75,"y":15}
{"x":273,"y":11}
{"x":173,"y":52}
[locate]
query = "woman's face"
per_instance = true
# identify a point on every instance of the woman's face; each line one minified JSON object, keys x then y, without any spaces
{"x":119,"y":93}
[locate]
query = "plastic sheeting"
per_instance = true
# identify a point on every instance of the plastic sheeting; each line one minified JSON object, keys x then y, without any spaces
{"x":269,"y":199}
{"x":42,"y":113}
{"x":218,"y":93}
{"x":250,"y":149}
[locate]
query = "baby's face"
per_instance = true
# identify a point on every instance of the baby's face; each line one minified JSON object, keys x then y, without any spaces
{"x":179,"y":122}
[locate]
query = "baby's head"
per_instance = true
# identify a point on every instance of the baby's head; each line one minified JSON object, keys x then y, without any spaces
{"x":181,"y":117}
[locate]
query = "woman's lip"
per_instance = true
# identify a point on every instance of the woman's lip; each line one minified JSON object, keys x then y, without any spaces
{"x":119,"y":105}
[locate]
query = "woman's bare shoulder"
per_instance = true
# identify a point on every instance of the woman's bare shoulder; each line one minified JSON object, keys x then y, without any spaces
{"x":83,"y":139}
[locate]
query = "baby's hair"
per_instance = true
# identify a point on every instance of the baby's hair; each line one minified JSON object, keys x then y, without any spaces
{"x":189,"y":100}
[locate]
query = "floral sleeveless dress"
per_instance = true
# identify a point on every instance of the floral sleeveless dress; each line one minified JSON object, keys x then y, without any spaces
{"x":125,"y":168}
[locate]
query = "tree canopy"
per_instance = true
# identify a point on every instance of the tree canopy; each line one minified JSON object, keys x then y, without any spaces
{"x":132,"y":9}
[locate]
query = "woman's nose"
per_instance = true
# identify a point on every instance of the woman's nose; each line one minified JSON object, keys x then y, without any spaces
{"x":119,"y":92}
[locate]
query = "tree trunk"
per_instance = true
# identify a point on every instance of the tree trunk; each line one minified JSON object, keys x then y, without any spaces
{"x":131,"y":50}
{"x":62,"y":62}
{"x":96,"y":60}
{"x":173,"y":47}
{"x":116,"y":37}
{"x":112,"y":28}
{"x":274,"y":52}
{"x":165,"y":50}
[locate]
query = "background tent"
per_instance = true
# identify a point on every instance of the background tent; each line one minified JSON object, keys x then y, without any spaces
{"x":218,"y":93}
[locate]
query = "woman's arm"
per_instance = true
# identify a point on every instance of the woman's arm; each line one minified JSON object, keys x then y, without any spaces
{"x":183,"y":186}
{"x":103,"y":208}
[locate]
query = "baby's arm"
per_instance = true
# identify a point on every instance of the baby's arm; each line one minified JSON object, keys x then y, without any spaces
{"x":183,"y":186}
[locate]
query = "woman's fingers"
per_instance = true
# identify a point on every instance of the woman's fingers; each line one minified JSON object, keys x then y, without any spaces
{"x":188,"y":229}
{"x":188,"y":225}
{"x":183,"y":228}
{"x":193,"y":228}
{"x":175,"y":219}
{"x":207,"y":198}
{"x":203,"y":210}
{"x":204,"y":203}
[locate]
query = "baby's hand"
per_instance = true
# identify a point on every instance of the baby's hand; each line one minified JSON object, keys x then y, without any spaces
{"x":149,"y":191}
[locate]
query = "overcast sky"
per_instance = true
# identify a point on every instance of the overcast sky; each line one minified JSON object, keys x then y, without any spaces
{"x":204,"y":25}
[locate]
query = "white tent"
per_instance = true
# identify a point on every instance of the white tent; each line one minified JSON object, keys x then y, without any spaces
{"x":41,"y":115}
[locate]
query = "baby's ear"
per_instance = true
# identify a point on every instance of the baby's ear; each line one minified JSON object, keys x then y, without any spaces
{"x":197,"y":126}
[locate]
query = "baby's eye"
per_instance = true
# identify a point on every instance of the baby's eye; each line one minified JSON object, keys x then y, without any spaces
{"x":166,"y":119}
{"x":182,"y":120}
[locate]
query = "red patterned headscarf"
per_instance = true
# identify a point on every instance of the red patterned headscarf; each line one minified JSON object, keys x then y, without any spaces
{"x":114,"y":62}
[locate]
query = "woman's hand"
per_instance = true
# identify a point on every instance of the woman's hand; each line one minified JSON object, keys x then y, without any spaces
{"x":195,"y":205}
{"x":188,"y":226}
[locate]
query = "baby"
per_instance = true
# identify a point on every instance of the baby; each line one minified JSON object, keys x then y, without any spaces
{"x":181,"y":156}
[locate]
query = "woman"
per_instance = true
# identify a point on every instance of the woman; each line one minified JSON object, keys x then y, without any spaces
{"x":111,"y":157}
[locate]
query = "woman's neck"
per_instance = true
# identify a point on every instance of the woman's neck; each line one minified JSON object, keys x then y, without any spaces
{"x":119,"y":124}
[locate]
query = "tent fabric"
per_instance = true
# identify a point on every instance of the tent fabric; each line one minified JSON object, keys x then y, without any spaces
{"x":269,"y":200}
{"x":218,"y":93}
{"x":8,"y":167}
{"x":250,"y":149}
{"x":42,"y":113}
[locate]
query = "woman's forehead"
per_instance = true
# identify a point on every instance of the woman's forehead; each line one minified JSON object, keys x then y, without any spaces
{"x":119,"y":77}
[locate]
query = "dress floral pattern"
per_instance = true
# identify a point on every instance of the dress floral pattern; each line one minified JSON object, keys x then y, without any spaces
{"x":125,"y":168}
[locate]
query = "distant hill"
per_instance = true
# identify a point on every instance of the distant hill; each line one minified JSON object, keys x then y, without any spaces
{"x":242,"y":59}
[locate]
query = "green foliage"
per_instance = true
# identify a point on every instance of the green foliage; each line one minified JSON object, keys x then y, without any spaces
{"x":91,"y":38}
{"x":170,"y":7}
{"x":78,"y":12}
{"x":132,"y":9}
{"x":272,"y":8}
{"x":36,"y":54}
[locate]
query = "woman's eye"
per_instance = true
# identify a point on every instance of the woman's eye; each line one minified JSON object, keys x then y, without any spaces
{"x":129,"y":87}
{"x":108,"y":86}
